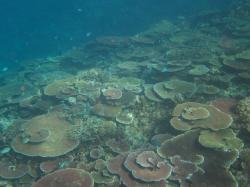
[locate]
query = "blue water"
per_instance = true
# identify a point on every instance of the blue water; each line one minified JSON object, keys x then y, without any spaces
{"x":35,"y":28}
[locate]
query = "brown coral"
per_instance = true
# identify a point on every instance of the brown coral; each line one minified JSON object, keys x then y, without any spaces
{"x":58,"y":142}
{"x":66,"y":177}
{"x":115,"y":166}
{"x":214,"y":164}
{"x":182,"y":170}
{"x":154,"y":170}
{"x":112,"y":93}
{"x":195,"y":113}
{"x":105,"y":110}
{"x":209,"y":117}
{"x":9,"y":170}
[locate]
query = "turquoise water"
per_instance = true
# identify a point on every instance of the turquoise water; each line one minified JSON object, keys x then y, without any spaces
{"x":125,"y":93}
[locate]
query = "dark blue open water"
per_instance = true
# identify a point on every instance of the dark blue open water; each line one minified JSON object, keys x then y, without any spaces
{"x":35,"y":28}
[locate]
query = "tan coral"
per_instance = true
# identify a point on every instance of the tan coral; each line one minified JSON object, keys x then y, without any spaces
{"x":150,"y":94}
{"x":210,"y":89}
{"x":161,"y":91}
{"x":174,"y":90}
{"x":199,"y":70}
{"x":66,"y":177}
{"x":107,"y":111}
{"x":216,"y":119}
{"x":125,"y":118}
{"x":195,"y":113}
{"x":224,"y":139}
{"x":58,"y":143}
{"x":131,"y":66}
{"x":236,"y":64}
{"x":56,"y":88}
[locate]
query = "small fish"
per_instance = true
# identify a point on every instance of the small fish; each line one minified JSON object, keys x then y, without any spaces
{"x":165,"y":69}
{"x":23,"y":88}
{"x":79,"y":10}
{"x":5,"y":150}
{"x":4,"y":69}
{"x":88,"y":34}
{"x":24,"y":138}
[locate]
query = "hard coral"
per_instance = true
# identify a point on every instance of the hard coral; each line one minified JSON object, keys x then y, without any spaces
{"x":101,"y":174}
{"x":214,"y":164}
{"x":112,"y":93}
{"x":9,"y":170}
{"x":107,"y":111}
{"x":38,"y":136}
{"x":125,"y":118}
{"x":150,"y":94}
{"x":171,"y":89}
{"x":58,"y":87}
{"x":115,"y":166}
{"x":117,"y":146}
{"x":226,"y":105}
{"x":199,"y":70}
{"x":243,"y":109}
{"x":195,"y":113}
{"x":147,"y":159}
{"x":96,"y":153}
{"x":154,"y":169}
{"x":209,"y":117}
{"x":56,"y":144}
{"x":182,"y":170}
{"x":65,"y":178}
{"x":224,"y":139}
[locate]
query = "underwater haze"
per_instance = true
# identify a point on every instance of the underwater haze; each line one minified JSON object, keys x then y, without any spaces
{"x":36,"y":28}
{"x":135,"y":93}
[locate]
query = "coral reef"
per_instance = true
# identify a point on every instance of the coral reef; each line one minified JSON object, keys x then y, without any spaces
{"x":168,"y":106}
{"x":243,"y":109}
{"x":148,"y":169}
{"x":210,"y":161}
{"x":223,"y":139}
{"x":191,"y":115}
{"x":66,"y":177}
{"x":115,"y":166}
{"x":182,"y":170}
{"x":10,"y":170}
{"x":56,"y":144}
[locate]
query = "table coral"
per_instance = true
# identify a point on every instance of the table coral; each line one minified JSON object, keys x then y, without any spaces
{"x":208,"y":116}
{"x":56,"y":144}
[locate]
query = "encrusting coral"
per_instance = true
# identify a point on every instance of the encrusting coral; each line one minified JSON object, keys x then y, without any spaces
{"x":243,"y":109}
